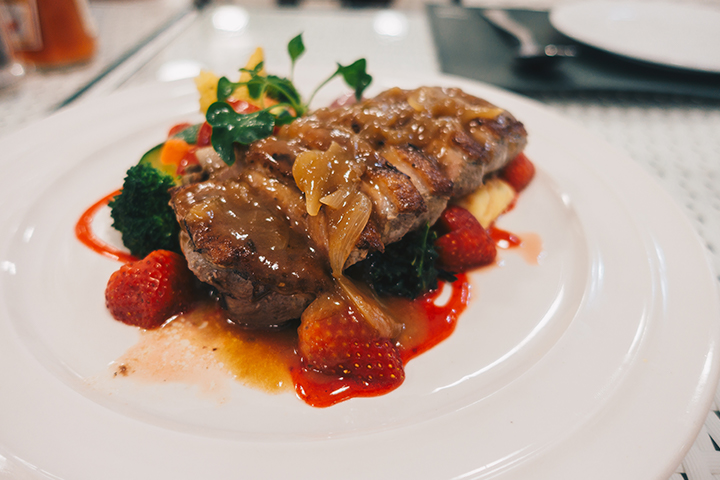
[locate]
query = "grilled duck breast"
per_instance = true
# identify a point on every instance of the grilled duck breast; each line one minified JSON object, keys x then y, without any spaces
{"x":271,"y":231}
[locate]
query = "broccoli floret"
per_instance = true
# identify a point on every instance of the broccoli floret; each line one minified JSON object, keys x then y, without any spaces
{"x":406,"y":268}
{"x":141,"y":212}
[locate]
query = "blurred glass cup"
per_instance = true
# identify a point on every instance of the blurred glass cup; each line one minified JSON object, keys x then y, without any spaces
{"x":51,"y":33}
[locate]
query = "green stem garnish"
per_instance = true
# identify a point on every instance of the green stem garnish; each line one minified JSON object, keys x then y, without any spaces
{"x":230,"y":127}
{"x":295,"y":48}
{"x":354,"y":75}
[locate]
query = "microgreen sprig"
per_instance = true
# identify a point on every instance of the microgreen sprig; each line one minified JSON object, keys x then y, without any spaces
{"x":230,"y":127}
{"x":295,"y":48}
{"x":354,"y":75}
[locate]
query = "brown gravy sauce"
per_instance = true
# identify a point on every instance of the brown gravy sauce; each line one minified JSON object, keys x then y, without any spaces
{"x":203,"y":348}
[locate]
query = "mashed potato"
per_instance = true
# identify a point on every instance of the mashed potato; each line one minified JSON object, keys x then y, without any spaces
{"x":490,"y":201}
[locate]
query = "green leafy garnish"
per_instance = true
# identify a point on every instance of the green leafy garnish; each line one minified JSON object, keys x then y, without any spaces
{"x":295,"y":48}
{"x":354,"y":75}
{"x":225,"y":88}
{"x":406,"y":268}
{"x":282,"y":90}
{"x":230,"y":127}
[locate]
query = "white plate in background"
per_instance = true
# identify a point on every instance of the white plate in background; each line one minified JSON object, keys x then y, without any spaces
{"x":600,"y":362}
{"x":674,"y":34}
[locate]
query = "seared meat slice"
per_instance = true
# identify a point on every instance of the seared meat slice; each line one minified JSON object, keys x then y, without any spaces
{"x":265,"y":231}
{"x":444,"y":141}
{"x":248,"y":300}
{"x":237,"y":241}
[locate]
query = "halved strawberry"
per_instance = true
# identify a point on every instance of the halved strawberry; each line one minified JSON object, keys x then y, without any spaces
{"x":148,"y":292}
{"x":519,"y":172}
{"x":466,"y":245}
{"x":454,"y":218}
{"x":336,"y":340}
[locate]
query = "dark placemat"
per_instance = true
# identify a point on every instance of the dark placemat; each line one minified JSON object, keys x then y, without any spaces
{"x":467,"y":45}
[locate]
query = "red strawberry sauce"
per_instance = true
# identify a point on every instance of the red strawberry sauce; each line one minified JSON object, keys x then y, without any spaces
{"x":84,"y":233}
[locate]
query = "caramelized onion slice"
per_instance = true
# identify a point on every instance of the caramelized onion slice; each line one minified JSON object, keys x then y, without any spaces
{"x":310,"y":174}
{"x":319,"y":174}
{"x":336,"y":199}
{"x":483,"y":112}
{"x":346,"y":225}
{"x":370,"y":308}
{"x":438,"y":104}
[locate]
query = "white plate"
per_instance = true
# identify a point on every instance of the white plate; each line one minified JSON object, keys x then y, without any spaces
{"x":598,"y":363}
{"x":678,"y":35}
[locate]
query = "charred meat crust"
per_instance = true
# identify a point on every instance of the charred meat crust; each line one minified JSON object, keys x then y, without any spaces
{"x":264,"y":276}
{"x":252,"y":303}
{"x":247,"y":231}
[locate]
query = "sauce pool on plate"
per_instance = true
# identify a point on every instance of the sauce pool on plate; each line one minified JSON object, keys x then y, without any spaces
{"x":202,"y":343}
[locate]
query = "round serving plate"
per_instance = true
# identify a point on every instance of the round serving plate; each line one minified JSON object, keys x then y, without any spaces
{"x":599,"y":348}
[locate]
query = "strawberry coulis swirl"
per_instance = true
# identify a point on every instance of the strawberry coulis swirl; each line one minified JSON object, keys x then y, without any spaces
{"x":84,"y":232}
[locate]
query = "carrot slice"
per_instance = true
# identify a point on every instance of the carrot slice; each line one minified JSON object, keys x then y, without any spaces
{"x":173,"y":151}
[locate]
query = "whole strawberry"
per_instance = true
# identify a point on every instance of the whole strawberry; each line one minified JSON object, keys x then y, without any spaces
{"x":519,"y":172}
{"x":148,"y":292}
{"x":338,"y":341}
{"x":466,"y":245}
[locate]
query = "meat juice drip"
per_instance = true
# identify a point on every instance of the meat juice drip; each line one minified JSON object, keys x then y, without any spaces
{"x":201,"y":347}
{"x":257,"y":358}
{"x":425,"y":324}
